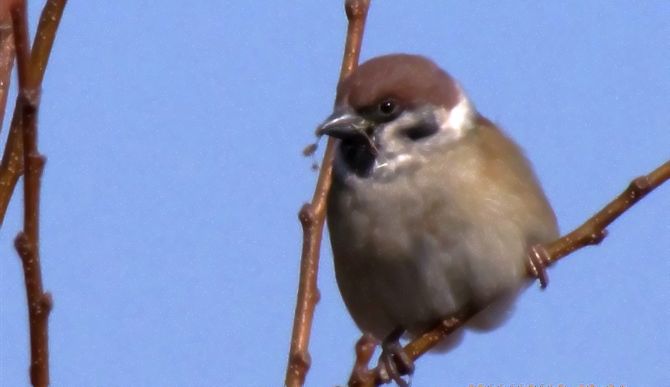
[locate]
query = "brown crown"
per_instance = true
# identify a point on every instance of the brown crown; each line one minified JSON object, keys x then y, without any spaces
{"x":409,"y":79}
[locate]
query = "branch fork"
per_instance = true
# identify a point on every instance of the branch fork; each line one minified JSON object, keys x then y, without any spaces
{"x":21,"y":157}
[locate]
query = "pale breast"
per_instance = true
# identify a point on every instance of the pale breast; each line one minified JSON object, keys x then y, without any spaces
{"x":452,"y":234}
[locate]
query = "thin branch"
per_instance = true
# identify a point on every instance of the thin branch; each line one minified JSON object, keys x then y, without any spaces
{"x":45,"y":36}
{"x":11,"y":166}
{"x":27,"y":242}
{"x":589,"y":233}
{"x":22,"y":141}
{"x":593,"y":230}
{"x":312,"y":217}
{"x":6,"y":60}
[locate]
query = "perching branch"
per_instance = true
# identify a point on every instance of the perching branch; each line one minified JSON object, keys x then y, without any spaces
{"x":21,"y":152}
{"x":591,"y":232}
{"x":312,"y":216}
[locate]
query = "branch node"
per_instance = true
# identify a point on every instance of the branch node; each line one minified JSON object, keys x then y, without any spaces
{"x":306,"y":215}
{"x":35,"y":163}
{"x":23,"y":246}
{"x":597,"y":237}
{"x":300,"y":362}
{"x":639,"y":187}
{"x":46,"y":303}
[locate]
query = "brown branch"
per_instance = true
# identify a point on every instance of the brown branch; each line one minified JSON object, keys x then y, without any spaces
{"x":27,"y":242}
{"x":6,"y":59}
{"x":8,"y":177}
{"x":589,"y":233}
{"x":593,"y":230}
{"x":21,"y":150}
{"x":312,"y":217}
{"x":11,"y":166}
{"x":45,"y":36}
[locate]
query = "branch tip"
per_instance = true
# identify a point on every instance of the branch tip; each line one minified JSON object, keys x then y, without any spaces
{"x":355,"y":9}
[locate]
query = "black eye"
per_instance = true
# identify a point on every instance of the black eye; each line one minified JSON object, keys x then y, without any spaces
{"x":387,"y":107}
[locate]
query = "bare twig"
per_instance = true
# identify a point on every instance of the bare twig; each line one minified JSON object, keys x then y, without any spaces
{"x":45,"y":36}
{"x":27,"y":242}
{"x":21,"y":150}
{"x":11,"y":167}
{"x":6,"y":59}
{"x":312,"y":217}
{"x":593,"y":230}
{"x":590,"y":232}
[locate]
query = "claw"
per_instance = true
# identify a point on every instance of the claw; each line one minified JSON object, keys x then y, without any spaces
{"x":538,"y":260}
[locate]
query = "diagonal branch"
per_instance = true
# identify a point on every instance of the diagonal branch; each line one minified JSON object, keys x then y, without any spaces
{"x":591,"y":232}
{"x":312,"y":217}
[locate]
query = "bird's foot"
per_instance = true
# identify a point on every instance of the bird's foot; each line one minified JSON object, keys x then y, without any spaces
{"x":394,"y":363}
{"x":538,"y":261}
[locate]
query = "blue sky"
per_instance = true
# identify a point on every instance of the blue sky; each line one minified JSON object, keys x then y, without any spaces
{"x":174,"y":133}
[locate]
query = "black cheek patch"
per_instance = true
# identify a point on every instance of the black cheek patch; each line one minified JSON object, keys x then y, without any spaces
{"x":420,"y":131}
{"x":358,"y":156}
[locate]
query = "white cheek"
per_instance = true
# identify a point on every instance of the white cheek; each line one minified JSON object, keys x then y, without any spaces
{"x":396,"y":153}
{"x":389,"y":138}
{"x":456,"y":122}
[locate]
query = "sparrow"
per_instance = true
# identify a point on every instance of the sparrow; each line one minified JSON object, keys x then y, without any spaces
{"x":432,"y":208}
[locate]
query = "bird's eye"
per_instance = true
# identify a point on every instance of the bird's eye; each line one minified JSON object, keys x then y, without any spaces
{"x":387,"y":107}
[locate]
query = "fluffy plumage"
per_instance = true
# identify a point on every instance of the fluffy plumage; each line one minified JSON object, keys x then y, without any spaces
{"x":432,"y":207}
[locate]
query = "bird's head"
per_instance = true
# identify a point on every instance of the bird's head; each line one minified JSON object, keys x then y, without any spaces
{"x":393,"y":112}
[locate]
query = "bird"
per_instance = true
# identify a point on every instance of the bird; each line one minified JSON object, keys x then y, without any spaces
{"x":432,"y":207}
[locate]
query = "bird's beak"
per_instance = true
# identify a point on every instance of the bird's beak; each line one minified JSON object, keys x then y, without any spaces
{"x":344,"y":125}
